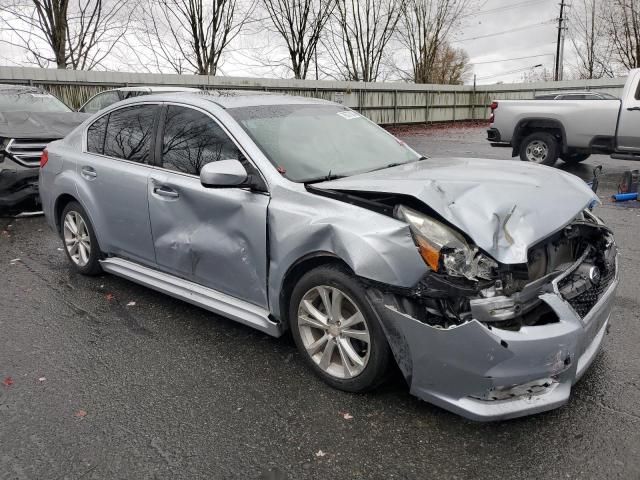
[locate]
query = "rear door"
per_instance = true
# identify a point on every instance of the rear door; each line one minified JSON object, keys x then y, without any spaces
{"x":216,"y":237}
{"x":114,"y":173}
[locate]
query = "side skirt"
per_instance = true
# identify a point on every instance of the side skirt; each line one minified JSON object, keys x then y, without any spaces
{"x":207,"y":298}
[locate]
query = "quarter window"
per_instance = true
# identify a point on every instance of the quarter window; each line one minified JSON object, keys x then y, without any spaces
{"x":192,"y":139}
{"x":95,"y":135}
{"x":129,"y":132}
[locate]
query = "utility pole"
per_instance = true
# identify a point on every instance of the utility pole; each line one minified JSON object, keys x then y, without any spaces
{"x":560,"y":43}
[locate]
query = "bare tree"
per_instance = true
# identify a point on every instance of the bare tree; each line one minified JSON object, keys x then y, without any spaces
{"x":76,"y":35}
{"x":192,"y":33}
{"x":623,"y":20}
{"x":450,"y":66}
{"x":359,"y":34}
{"x":424,"y":30}
{"x":591,"y":42}
{"x":300,"y":24}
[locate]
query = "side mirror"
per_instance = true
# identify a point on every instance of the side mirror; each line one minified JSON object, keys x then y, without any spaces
{"x":224,"y":173}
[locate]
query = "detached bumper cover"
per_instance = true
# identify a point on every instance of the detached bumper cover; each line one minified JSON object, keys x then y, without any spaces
{"x":487,"y":373}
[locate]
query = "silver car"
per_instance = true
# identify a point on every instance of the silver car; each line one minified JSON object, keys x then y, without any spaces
{"x":489,"y":283}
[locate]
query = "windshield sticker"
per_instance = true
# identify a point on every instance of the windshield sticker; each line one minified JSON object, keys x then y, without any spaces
{"x":40,"y":95}
{"x":349,"y":115}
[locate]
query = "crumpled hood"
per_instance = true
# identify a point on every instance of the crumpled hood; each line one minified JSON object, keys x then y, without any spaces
{"x":47,"y":125}
{"x":504,"y":206}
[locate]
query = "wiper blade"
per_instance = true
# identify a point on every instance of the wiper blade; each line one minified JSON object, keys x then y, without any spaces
{"x":326,"y":178}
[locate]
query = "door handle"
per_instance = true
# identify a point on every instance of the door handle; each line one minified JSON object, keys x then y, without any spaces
{"x":165,"y":192}
{"x":89,"y":173}
{"x":633,"y":109}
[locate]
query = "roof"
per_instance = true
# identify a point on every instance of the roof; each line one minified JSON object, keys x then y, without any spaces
{"x":252,"y":98}
{"x":21,"y":88}
{"x":156,"y":89}
{"x":573,"y":92}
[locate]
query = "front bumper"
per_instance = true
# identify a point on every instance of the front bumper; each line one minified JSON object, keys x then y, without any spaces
{"x":487,"y":373}
{"x":18,"y":184}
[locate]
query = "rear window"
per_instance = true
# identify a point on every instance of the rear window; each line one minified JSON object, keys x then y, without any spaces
{"x":128,"y":133}
{"x":29,"y":100}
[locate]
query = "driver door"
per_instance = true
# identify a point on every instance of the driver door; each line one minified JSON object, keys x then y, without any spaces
{"x":215,"y":237}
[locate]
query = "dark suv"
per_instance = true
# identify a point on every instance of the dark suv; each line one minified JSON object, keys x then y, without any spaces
{"x":30,"y":118}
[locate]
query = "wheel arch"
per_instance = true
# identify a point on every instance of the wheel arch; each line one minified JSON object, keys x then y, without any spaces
{"x":297,"y":270}
{"x":527,"y":126}
{"x":61,"y":202}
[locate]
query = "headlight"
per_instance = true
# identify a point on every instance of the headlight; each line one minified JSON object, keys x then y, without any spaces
{"x":443,"y":249}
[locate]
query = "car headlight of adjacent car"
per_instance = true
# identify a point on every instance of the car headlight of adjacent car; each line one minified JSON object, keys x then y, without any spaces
{"x":443,"y":249}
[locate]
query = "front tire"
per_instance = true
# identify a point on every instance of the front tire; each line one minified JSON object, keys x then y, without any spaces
{"x":79,"y":239}
{"x":541,"y":148}
{"x":337,"y":330}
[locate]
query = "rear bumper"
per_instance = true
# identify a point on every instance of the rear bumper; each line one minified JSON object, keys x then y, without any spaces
{"x":18,"y":184}
{"x":493,"y":135}
{"x":488,"y":374}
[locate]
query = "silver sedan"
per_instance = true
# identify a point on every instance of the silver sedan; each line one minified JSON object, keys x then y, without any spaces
{"x":488,"y":283}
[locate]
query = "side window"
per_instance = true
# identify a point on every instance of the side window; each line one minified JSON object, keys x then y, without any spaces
{"x":100,"y":101}
{"x":129,"y":133}
{"x":192,"y":139}
{"x":95,"y":135}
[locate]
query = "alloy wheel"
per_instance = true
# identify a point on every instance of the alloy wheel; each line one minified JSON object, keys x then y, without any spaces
{"x":334,"y":332}
{"x":76,"y":238}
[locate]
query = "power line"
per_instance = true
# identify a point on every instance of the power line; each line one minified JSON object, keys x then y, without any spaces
{"x":499,"y":9}
{"x":509,"y":72}
{"x":533,"y":25}
{"x":510,"y":59}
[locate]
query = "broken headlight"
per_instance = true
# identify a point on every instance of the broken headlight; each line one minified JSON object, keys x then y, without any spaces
{"x":445,"y":250}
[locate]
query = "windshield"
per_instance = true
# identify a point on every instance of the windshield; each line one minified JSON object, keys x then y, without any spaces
{"x":310,"y":143}
{"x":22,"y":100}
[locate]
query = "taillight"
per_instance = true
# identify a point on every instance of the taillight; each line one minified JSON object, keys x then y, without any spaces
{"x":494,"y":107}
{"x":44,"y":158}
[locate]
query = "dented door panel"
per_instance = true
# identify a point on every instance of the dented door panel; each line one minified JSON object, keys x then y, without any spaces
{"x":214,"y":237}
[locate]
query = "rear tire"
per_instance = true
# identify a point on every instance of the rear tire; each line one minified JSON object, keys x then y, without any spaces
{"x":79,"y":240}
{"x":574,"y":157}
{"x":330,"y":339}
{"x":541,"y":148}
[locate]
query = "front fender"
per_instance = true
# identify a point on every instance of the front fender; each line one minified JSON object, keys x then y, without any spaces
{"x":374,"y":246}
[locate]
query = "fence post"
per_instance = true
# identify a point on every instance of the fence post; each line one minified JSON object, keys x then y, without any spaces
{"x":395,"y":107}
{"x":426,"y":106}
{"x":455,"y":100}
{"x":473,"y":103}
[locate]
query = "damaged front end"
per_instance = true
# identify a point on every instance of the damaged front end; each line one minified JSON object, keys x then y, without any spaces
{"x":493,"y":341}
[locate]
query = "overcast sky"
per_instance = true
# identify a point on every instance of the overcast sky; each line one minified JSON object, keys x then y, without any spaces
{"x":529,"y":35}
{"x":496,"y":31}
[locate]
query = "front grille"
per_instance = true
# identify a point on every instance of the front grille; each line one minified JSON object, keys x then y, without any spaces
{"x":584,"y":302}
{"x":27,"y":151}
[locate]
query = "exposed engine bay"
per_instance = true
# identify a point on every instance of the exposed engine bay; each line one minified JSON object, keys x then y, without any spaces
{"x":578,"y":263}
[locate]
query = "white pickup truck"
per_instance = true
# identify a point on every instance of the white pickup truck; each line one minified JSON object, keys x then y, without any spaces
{"x":542,"y":131}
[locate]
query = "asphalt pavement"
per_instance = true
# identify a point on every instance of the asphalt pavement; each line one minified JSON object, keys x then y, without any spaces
{"x":103,"y":379}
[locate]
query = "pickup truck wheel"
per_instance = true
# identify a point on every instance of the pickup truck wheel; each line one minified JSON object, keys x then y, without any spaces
{"x":337,"y":331}
{"x":539,"y":147}
{"x":574,"y":157}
